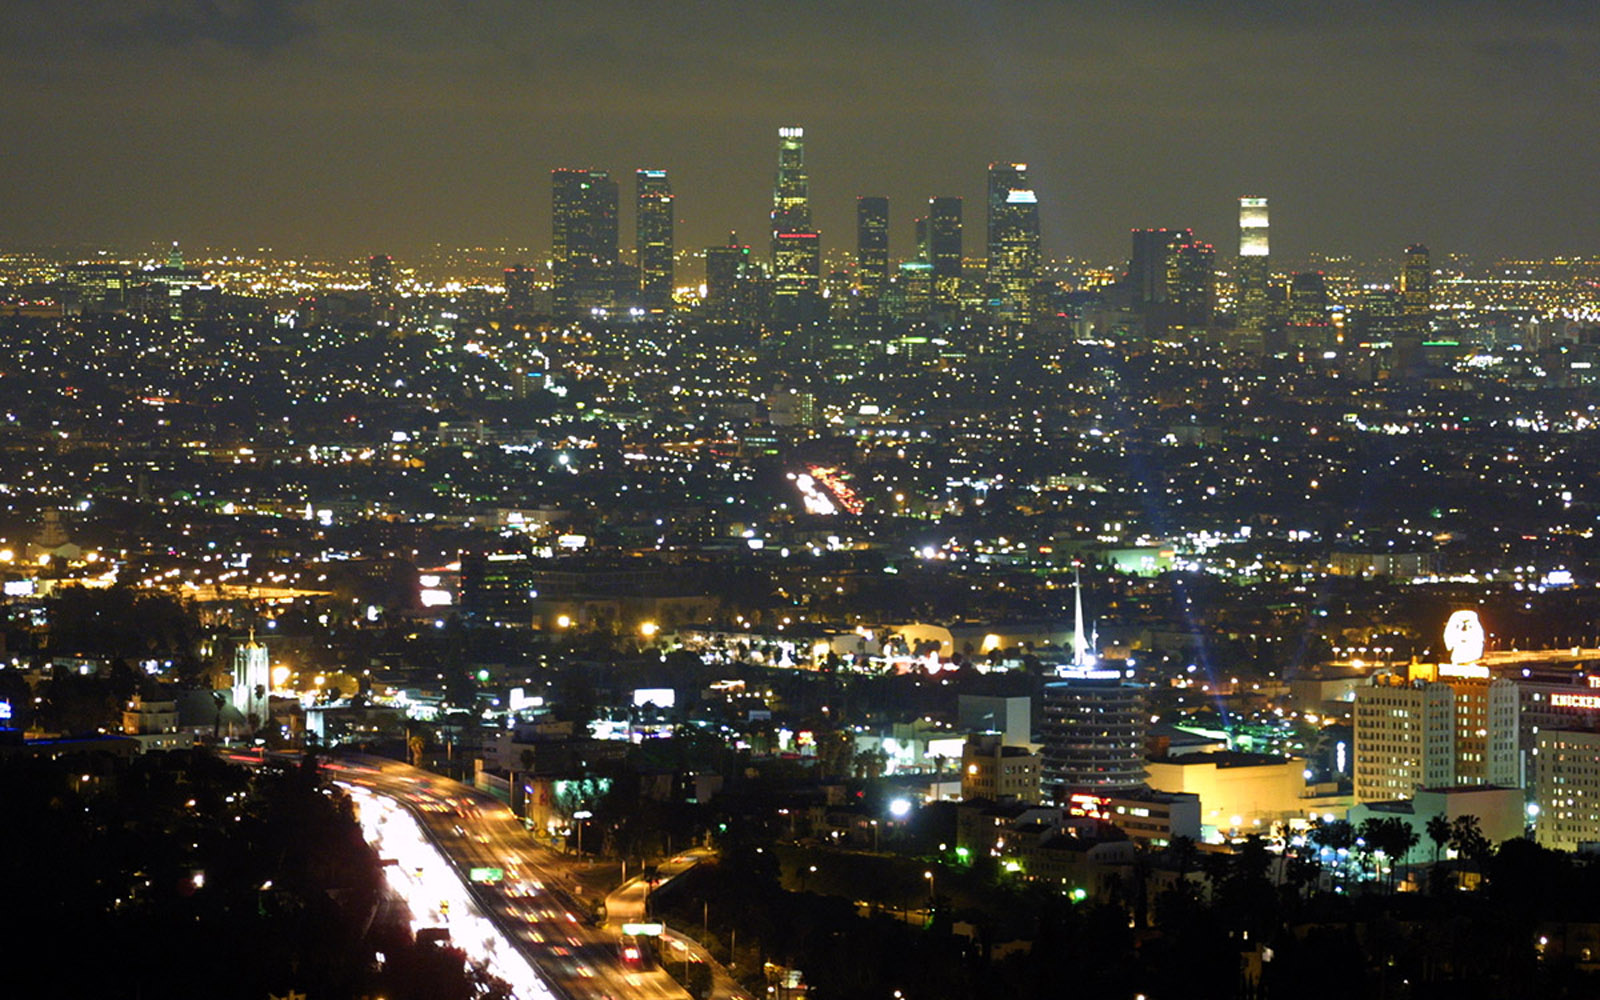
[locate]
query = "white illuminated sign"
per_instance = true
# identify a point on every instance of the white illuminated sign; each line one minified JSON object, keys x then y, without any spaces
{"x":1463,"y":637}
{"x":1588,"y":702}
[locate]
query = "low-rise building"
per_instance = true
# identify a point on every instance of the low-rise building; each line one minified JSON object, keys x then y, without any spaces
{"x":1241,"y":792}
{"x":992,"y":770}
{"x":154,"y":725}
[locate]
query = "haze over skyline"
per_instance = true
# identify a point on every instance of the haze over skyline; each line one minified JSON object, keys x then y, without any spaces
{"x":339,"y":125}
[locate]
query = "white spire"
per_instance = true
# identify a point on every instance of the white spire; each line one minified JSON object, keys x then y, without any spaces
{"x":1080,"y":644}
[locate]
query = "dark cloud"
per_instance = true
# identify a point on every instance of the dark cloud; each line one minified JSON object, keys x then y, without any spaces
{"x":257,"y":27}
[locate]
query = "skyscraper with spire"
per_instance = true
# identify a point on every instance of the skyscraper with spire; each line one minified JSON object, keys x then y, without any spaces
{"x":1080,"y":644}
{"x":796,"y":245}
{"x":1094,"y":722}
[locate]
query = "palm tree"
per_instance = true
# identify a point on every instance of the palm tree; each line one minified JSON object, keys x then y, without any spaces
{"x":1438,"y":828}
{"x":1401,"y":838}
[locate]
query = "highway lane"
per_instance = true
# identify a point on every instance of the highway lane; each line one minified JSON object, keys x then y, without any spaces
{"x":534,"y":905}
{"x":534,"y":902}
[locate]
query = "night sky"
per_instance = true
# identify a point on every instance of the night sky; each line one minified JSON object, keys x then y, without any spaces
{"x":353,"y":126}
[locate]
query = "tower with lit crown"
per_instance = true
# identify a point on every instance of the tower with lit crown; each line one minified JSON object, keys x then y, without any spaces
{"x":653,"y":238}
{"x":1013,"y":265}
{"x":1094,"y":723}
{"x":1250,"y":311}
{"x":796,"y":245}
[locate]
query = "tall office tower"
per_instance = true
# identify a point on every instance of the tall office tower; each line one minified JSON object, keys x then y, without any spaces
{"x":944,"y":248}
{"x":1308,"y":298}
{"x":520,"y":283}
{"x":1172,"y":279}
{"x":1013,"y":267}
{"x":1404,"y":738}
{"x":729,"y":281}
{"x":380,"y":284}
{"x":919,"y":227}
{"x":380,"y":274}
{"x":652,"y":227}
{"x":1093,"y":731}
{"x":1191,"y":283}
{"x":583,"y":230}
{"x":872,"y":246}
{"x":1147,"y":267}
{"x":1416,"y":287}
{"x":796,"y":247}
{"x":1250,"y":312}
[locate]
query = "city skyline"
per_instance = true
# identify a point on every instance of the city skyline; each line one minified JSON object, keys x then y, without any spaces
{"x":272,"y":123}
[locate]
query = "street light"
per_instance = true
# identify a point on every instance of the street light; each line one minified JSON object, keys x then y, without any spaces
{"x":580,"y":816}
{"x":929,"y":876}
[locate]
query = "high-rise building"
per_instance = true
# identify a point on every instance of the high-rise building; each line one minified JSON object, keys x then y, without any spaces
{"x":380,"y":274}
{"x":1254,"y":268}
{"x":1172,"y":280}
{"x":520,"y":283}
{"x":796,"y":246}
{"x":1416,"y":287}
{"x":1147,"y":267}
{"x":1567,"y":788}
{"x":380,"y":283}
{"x":1192,"y":284}
{"x":872,"y":246}
{"x":653,"y":238}
{"x":583,"y":241}
{"x":944,"y":248}
{"x":1308,"y":298}
{"x":1013,"y":264}
{"x":730,"y":281}
{"x":1093,"y":732}
{"x":1404,"y":738}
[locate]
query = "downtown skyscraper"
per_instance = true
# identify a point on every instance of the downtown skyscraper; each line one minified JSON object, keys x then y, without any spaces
{"x":583,"y":228}
{"x":1013,"y":269}
{"x":1254,"y":267}
{"x":944,"y":248}
{"x":872,"y":246}
{"x":653,"y":238}
{"x":796,"y":250}
{"x":1416,"y":288}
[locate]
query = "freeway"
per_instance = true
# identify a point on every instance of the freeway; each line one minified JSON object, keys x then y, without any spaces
{"x":626,"y":904}
{"x":524,"y":914}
